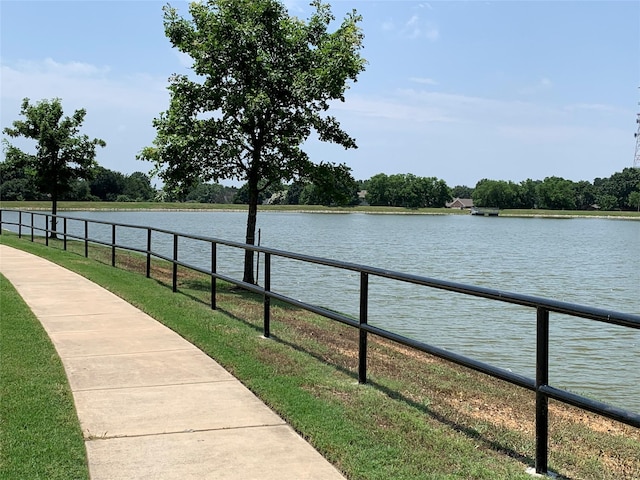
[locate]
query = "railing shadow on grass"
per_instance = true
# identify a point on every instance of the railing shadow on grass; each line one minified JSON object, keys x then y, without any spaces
{"x":395,"y":395}
{"x":543,"y":308}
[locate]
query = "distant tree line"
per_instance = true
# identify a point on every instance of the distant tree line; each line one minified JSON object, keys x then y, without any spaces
{"x":407,"y":190}
{"x":336,"y":186}
{"x":621,"y":191}
{"x":17,"y":183}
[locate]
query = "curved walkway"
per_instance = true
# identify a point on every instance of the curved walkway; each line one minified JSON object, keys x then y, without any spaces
{"x":150,"y":404}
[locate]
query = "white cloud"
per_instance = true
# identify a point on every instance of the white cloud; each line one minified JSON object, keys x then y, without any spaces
{"x":79,"y":83}
{"x":462,"y":138}
{"x":120,"y":110}
{"x":432,"y":33}
{"x":413,"y":28}
{"x":412,"y":110}
{"x":388,"y":26}
{"x":424,"y":81}
{"x":595,"y":107}
{"x":71,"y":68}
{"x":542,"y":85}
{"x":393,"y":110}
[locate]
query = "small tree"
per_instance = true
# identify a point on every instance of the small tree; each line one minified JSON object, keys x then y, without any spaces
{"x":634,"y":199}
{"x":62,"y":154}
{"x":265,"y":80}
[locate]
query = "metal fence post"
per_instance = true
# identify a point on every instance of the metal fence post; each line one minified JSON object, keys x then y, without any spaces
{"x":267,"y":298}
{"x":542,"y":401}
{"x":148,"y":252}
{"x":175,"y":263}
{"x":20,"y":224}
{"x":113,"y":245}
{"x":0,"y":221}
{"x":32,"y":226}
{"x":64,"y":235}
{"x":364,"y":306}
{"x":214,"y":280}
{"x":86,"y":239}
{"x":46,"y":230}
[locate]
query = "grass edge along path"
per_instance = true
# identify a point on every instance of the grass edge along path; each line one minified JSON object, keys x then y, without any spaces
{"x":445,"y":428}
{"x":40,"y":435}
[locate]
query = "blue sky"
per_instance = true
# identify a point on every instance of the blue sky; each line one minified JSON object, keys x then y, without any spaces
{"x":459,"y":90}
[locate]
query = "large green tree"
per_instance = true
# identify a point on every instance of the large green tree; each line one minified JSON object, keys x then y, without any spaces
{"x":495,"y":193}
{"x":332,"y":185}
{"x":137,"y":187}
{"x":107,"y":184}
{"x":62,"y":153}
{"x":407,"y":190}
{"x":265,"y":81}
{"x":618,"y":186}
{"x":557,"y":193}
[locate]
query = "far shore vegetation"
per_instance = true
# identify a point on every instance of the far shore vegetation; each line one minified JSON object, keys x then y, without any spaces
{"x":418,"y":418}
{"x":67,"y":207}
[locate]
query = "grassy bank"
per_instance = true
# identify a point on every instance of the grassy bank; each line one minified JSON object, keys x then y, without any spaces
{"x":40,"y":436}
{"x":419,"y":418}
{"x":124,"y":206}
{"x":71,"y":206}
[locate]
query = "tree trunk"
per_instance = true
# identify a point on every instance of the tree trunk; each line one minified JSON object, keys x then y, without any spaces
{"x":251,"y":229}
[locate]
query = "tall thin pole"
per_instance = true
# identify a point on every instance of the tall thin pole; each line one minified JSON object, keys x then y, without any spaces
{"x":636,"y":158}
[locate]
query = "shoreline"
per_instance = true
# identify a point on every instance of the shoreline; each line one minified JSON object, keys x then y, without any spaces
{"x":546,"y":214}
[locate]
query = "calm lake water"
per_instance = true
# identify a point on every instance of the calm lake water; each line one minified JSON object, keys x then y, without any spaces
{"x":589,"y":261}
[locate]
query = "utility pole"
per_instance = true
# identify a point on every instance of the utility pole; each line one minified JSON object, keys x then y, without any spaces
{"x":636,"y":158}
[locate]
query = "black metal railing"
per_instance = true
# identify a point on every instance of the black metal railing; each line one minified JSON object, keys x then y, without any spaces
{"x":542,"y":306}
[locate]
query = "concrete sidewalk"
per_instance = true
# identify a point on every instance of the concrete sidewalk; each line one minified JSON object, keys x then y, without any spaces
{"x":150,"y":404}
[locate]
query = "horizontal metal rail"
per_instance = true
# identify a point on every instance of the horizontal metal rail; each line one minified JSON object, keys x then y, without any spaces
{"x":542,"y":306}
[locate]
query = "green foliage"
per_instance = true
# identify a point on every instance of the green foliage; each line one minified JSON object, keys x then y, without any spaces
{"x":407,"y":190}
{"x":107,"y":184}
{"x":265,"y":81}
{"x":619,"y":186}
{"x":495,"y":193}
{"x":555,"y":193}
{"x":585,"y":195}
{"x":331,"y":185}
{"x":267,"y":78}
{"x":293,"y":193}
{"x":461,"y":191}
{"x":17,"y":182}
{"x":137,"y":186}
{"x":634,"y":199}
{"x":242,"y":195}
{"x":607,"y":202}
{"x":62,"y":153}
{"x":528,"y":194}
{"x":211,"y":193}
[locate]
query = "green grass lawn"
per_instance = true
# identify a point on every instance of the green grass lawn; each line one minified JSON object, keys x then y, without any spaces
{"x":40,"y":436}
{"x":418,"y":418}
